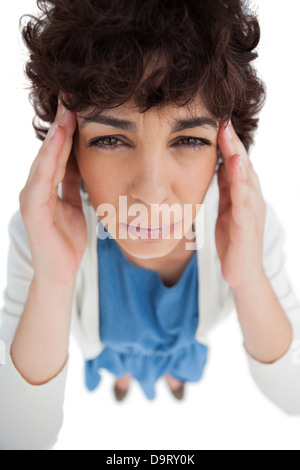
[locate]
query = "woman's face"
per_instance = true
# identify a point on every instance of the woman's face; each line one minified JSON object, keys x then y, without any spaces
{"x":157,"y":159}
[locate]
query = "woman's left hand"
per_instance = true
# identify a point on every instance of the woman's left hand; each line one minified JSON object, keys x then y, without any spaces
{"x":242,"y":213}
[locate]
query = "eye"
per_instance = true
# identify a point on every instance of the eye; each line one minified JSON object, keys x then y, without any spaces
{"x":106,"y":143}
{"x":193,"y":143}
{"x":112,"y":142}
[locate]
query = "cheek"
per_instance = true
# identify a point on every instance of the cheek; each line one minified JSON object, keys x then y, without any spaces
{"x":198,"y":175}
{"x":102,"y":187}
{"x":89,"y":166}
{"x":99,"y":182}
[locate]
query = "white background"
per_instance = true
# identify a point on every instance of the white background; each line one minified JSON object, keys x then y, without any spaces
{"x":225,"y":410}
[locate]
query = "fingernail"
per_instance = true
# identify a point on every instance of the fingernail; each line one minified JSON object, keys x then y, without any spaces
{"x":61,"y":108}
{"x":53,"y":132}
{"x":228,"y":130}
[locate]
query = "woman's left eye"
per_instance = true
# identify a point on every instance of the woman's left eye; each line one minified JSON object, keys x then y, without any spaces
{"x":193,"y":143}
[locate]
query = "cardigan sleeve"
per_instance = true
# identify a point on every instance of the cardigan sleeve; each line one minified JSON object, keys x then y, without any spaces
{"x":30,"y":416}
{"x":280,"y":381}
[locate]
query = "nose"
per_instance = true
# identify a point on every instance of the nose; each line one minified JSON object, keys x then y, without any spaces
{"x":151,"y":183}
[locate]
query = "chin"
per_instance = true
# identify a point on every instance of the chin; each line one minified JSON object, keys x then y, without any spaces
{"x":148,"y":250}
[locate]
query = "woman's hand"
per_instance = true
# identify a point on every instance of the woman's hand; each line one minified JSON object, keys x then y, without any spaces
{"x":242,"y":213}
{"x":56,"y":227}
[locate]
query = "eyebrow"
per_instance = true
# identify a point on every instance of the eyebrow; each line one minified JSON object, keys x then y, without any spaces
{"x":202,"y":121}
{"x":109,"y":121}
{"x":130,"y":126}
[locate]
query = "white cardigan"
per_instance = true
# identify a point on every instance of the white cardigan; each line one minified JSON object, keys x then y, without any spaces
{"x":31,"y":416}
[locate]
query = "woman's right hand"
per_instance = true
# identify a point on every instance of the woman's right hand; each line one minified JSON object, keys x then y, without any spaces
{"x":55,"y":226}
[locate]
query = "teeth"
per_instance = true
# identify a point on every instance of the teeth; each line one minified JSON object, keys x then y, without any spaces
{"x":155,"y":233}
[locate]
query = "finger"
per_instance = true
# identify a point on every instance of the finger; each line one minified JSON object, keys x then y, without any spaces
{"x":239,"y":191}
{"x":42,"y":151}
{"x":39,"y":186}
{"x":69,"y":123}
{"x":48,"y":168}
{"x":45,"y":158}
{"x":72,"y":182}
{"x":230,"y":144}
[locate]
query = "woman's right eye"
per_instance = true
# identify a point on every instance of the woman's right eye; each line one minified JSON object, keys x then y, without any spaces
{"x":107,"y":143}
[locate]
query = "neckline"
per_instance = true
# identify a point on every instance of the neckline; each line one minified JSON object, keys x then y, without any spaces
{"x":152,"y":272}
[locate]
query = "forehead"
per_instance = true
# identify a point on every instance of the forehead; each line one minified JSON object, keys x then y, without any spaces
{"x":167,"y":115}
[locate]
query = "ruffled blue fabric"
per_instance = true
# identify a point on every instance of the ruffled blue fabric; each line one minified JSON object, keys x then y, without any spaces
{"x":148,"y":328}
{"x":185,"y":364}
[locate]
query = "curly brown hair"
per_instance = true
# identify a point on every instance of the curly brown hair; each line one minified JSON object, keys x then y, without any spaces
{"x":97,"y":53}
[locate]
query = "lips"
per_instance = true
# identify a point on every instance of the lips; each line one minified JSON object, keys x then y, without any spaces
{"x":163,"y":233}
{"x":158,"y":234}
{"x":138,"y":227}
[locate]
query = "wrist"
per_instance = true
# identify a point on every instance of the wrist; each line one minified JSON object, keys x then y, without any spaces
{"x":255,"y":280}
{"x":265,"y":326}
{"x":40,"y":346}
{"x":50,"y":288}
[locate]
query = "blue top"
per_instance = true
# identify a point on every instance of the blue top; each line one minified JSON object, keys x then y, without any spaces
{"x":148,"y":329}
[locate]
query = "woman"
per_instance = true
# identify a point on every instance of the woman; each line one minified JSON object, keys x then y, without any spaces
{"x":153,"y":102}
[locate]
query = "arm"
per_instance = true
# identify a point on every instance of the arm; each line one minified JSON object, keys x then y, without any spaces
{"x":30,"y":416}
{"x":57,"y":238}
{"x":267,"y":310}
{"x":40,"y":347}
{"x":279,"y":380}
{"x":266,"y":329}
{"x":47,"y":244}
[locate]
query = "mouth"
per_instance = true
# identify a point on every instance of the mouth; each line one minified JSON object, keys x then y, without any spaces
{"x":154,"y":234}
{"x":138,"y":228}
